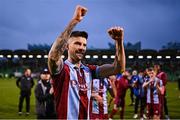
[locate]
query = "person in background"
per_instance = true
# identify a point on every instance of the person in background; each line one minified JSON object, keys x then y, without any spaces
{"x":139,"y":92}
{"x":163,"y":76}
{"x":98,"y":103}
{"x":136,"y":91}
{"x":155,"y":89}
{"x":122,"y":87}
{"x":114,"y":82}
{"x":131,"y":91}
{"x":178,"y":77}
{"x":25,"y":83}
{"x":45,"y":107}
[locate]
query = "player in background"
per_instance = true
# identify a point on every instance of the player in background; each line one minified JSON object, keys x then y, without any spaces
{"x":122,"y":87}
{"x":163,"y":76}
{"x":154,"y":88}
{"x":98,"y":103}
{"x":114,"y":82}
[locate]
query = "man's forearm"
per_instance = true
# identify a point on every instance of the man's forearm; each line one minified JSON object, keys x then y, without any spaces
{"x":145,"y":84}
{"x":120,"y":59}
{"x":60,"y":44}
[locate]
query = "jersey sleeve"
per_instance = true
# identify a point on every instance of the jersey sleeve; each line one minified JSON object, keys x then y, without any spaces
{"x":160,"y":82}
{"x":164,"y":78}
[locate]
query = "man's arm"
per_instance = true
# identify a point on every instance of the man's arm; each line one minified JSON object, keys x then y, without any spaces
{"x":112,"y":87}
{"x":17,"y":82}
{"x":160,"y":87}
{"x":147,"y":82}
{"x":97,"y":97}
{"x":117,"y":34}
{"x":55,"y":62}
{"x":32,"y":82}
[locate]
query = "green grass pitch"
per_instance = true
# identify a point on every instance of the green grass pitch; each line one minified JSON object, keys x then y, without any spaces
{"x":9,"y":95}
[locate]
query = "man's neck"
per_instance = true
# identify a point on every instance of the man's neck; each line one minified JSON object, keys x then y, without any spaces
{"x":76,"y":63}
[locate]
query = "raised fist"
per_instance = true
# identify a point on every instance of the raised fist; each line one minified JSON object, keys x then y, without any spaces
{"x":79,"y":13}
{"x":116,"y":33}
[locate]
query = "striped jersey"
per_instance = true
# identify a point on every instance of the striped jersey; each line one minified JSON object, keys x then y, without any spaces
{"x":100,"y":87}
{"x":72,"y":90}
{"x":152,"y":92}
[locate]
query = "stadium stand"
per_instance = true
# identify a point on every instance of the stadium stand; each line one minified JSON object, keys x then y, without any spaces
{"x":15,"y":61}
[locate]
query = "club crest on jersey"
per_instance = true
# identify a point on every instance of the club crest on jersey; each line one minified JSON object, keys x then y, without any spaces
{"x":83,"y":87}
{"x":73,"y":83}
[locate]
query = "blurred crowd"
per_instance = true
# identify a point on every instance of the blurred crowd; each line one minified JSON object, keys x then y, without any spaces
{"x":147,"y":87}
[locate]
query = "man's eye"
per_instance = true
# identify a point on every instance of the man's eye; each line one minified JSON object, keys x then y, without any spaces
{"x":77,"y":43}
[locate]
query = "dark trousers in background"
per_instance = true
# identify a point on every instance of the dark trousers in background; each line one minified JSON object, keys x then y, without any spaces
{"x":24,"y":95}
{"x":131,"y":95}
{"x":164,"y":107}
{"x":142,"y":101}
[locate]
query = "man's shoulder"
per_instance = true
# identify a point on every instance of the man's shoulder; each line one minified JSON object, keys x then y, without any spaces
{"x":162,"y":73}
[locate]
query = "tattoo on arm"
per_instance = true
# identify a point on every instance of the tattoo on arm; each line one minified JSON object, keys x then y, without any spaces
{"x":120,"y":60}
{"x":59,"y":47}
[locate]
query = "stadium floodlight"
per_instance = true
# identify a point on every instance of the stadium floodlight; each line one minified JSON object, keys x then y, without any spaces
{"x":23,"y":56}
{"x":87,"y":56}
{"x":95,"y":56}
{"x":149,"y":57}
{"x":45,"y":56}
{"x":112,"y":56}
{"x":62,"y":56}
{"x":159,"y":57}
{"x":1,"y":56}
{"x":178,"y":57}
{"x":9,"y":56}
{"x":16,"y":56}
{"x":39,"y":56}
{"x":104,"y":56}
{"x":30,"y":56}
{"x":168,"y":57}
{"x":130,"y":56}
{"x":140,"y":57}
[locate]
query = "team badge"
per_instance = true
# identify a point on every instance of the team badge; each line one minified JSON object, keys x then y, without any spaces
{"x":73,"y":83}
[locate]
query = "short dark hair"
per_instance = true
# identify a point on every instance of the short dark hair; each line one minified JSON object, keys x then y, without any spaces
{"x":79,"y":34}
{"x":25,"y":69}
{"x":150,"y":69}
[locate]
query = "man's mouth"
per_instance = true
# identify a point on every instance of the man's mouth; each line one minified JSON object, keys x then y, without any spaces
{"x":80,"y":54}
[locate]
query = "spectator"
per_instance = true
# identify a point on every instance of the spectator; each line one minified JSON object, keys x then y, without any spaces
{"x":131,"y":88}
{"x":45,"y":107}
{"x":139,"y":92}
{"x":25,"y":83}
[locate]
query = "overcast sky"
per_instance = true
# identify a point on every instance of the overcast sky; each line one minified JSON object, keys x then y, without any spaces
{"x":153,"y":22}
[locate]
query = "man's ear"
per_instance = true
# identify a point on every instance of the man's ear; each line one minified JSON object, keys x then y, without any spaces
{"x":67,"y":47}
{"x":68,"y":43}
